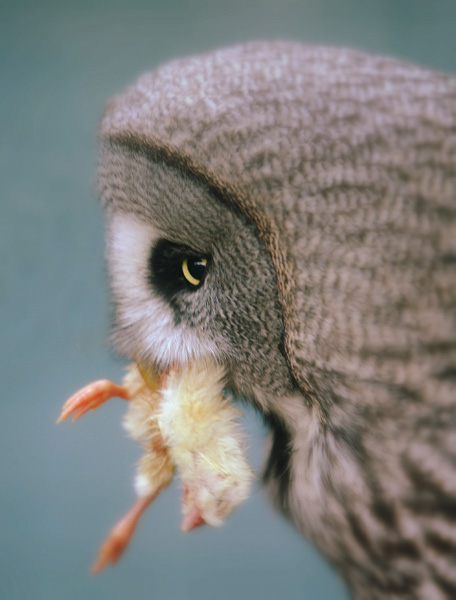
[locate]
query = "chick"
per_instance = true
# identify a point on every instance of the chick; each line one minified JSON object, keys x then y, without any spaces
{"x":183,"y":420}
{"x":200,"y":429}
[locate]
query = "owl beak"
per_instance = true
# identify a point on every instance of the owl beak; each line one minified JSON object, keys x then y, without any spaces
{"x":152,"y":376}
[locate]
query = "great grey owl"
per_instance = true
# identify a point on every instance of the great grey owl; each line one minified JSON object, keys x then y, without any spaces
{"x":291,"y":211}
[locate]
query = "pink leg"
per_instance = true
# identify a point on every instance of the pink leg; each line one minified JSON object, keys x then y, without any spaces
{"x":117,"y":541}
{"x":91,"y":397}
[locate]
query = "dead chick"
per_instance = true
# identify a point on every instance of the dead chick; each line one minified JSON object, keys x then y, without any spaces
{"x":183,"y":420}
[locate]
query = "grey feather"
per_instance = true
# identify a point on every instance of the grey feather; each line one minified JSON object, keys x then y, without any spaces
{"x":322,"y":184}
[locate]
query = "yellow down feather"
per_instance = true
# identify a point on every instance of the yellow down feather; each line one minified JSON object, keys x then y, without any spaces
{"x":189,"y":424}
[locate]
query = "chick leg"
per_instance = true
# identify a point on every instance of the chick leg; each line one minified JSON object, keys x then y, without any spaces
{"x":117,"y":541}
{"x":91,"y":397}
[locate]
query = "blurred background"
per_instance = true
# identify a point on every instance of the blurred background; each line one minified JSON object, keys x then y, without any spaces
{"x":62,"y":488}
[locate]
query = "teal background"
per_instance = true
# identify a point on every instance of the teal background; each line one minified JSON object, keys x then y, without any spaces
{"x":62,"y":488}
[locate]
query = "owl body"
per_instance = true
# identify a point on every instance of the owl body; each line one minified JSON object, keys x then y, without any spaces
{"x":313,"y":193}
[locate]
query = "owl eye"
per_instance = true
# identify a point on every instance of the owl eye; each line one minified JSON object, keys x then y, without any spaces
{"x":193,"y":269}
{"x":174,"y":269}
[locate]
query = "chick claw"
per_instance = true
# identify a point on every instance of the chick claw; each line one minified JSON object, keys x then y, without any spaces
{"x":91,"y":397}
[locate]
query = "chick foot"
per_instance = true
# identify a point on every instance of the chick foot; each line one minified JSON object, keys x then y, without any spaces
{"x":91,"y":397}
{"x":117,"y":541}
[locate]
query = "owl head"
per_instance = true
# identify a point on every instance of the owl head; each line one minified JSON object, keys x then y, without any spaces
{"x":264,"y":205}
{"x":190,"y":276}
{"x":188,"y":248}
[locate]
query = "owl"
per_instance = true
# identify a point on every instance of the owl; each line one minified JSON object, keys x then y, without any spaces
{"x":289,"y":212}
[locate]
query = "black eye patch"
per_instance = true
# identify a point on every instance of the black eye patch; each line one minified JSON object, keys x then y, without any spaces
{"x":174,"y":268}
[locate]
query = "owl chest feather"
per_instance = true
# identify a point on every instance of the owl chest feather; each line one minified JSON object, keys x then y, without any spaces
{"x":373,"y":493}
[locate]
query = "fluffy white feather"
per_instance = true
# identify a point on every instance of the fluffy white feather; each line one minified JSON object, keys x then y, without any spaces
{"x":153,"y":335}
